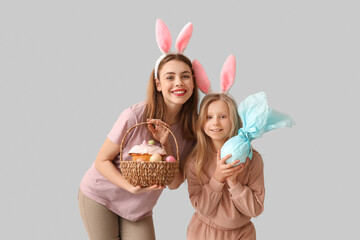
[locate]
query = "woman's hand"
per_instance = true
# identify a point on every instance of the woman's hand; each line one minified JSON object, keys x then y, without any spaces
{"x":159,"y":132}
{"x":139,"y":189}
{"x":224,"y":170}
{"x":232,"y":180}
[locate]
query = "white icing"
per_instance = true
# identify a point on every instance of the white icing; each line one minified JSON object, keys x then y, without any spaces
{"x":147,"y":149}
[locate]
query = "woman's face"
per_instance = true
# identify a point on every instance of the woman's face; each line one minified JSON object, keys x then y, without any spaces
{"x":176,"y":83}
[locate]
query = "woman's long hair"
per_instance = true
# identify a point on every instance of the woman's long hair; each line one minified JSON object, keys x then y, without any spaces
{"x":155,"y":105}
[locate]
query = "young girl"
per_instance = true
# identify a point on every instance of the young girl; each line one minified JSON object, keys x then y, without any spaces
{"x":110,"y":207}
{"x":228,"y":191}
{"x":225,"y":196}
{"x":225,"y":193}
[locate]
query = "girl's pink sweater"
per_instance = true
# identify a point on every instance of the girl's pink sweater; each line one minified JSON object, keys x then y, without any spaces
{"x":218,"y":205}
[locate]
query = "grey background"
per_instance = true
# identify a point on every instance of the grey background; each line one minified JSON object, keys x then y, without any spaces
{"x":68,"y":68}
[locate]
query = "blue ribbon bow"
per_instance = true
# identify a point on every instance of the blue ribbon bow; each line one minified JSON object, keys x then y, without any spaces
{"x":257,"y":119}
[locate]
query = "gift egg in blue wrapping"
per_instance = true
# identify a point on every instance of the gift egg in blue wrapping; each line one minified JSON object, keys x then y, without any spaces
{"x":238,"y":147}
{"x":257,"y":119}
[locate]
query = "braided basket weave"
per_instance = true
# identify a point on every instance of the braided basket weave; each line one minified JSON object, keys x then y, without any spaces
{"x":148,"y":173}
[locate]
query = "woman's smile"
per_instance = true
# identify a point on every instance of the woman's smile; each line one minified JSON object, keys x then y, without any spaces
{"x":179,"y":92}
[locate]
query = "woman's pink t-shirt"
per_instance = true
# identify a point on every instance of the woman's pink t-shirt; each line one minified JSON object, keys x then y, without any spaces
{"x":127,"y":205}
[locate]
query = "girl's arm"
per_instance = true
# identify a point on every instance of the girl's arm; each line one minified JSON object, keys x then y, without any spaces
{"x":105,"y":167}
{"x":249,"y":199}
{"x":204,"y":197}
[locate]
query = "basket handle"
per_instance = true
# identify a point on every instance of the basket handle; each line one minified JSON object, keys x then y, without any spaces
{"x":143,"y":123}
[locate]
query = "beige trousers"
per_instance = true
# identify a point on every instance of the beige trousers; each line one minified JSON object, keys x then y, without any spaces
{"x":103,"y":224}
{"x":198,"y":230}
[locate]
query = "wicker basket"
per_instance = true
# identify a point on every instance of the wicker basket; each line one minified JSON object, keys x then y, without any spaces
{"x":148,"y":173}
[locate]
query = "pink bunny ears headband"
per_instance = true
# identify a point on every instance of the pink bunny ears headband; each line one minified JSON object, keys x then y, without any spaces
{"x":227,"y":75}
{"x":163,"y":38}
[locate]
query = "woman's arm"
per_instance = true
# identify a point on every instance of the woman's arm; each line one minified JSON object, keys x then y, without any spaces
{"x":105,"y":167}
{"x":161,"y":134}
{"x":178,"y":180}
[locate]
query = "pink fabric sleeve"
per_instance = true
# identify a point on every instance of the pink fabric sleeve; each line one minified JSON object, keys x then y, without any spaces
{"x":125,"y":121}
{"x":178,"y":180}
{"x":204,"y":198}
{"x":249,"y":199}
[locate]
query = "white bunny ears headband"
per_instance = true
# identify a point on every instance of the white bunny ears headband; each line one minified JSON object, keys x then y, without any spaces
{"x":163,"y":39}
{"x":227,"y":75}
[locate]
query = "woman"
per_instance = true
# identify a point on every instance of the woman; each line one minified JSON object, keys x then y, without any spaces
{"x":111,"y":208}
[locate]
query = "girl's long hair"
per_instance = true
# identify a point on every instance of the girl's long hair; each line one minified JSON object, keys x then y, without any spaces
{"x":155,"y":105}
{"x":204,"y":148}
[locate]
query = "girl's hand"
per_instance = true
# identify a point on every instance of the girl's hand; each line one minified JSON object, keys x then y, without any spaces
{"x":139,"y":189}
{"x":160,"y":133}
{"x":233,"y":179}
{"x":224,"y":170}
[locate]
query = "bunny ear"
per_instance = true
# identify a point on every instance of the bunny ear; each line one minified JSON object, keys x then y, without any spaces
{"x":227,"y":75}
{"x":184,"y":37}
{"x":163,"y":36}
{"x":202,"y":80}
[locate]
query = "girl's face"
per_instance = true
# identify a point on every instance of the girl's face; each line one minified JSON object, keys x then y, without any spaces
{"x":176,"y":83}
{"x":218,"y":124}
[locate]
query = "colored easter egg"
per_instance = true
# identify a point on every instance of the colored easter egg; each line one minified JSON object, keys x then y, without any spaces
{"x":155,"y":158}
{"x":170,"y":159}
